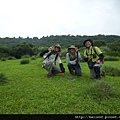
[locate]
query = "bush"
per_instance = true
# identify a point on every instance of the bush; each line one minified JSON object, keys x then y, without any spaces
{"x":112,"y":71}
{"x":101,"y":90}
{"x":114,"y":53}
{"x":2,"y":78}
{"x":25,"y":56}
{"x":63,"y":53}
{"x":109,"y":58}
{"x":33,"y":58}
{"x":11,"y":58}
{"x":3,"y":59}
{"x":24,"y":62}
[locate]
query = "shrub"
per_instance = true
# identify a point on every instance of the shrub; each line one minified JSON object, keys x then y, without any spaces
{"x":33,"y":58}
{"x":110,"y":58}
{"x":112,"y":71}
{"x":25,"y":56}
{"x":114,"y":53}
{"x":105,"y":49}
{"x":3,"y":59}
{"x":101,"y":90}
{"x":63,"y":54}
{"x":2,"y":78}
{"x":24,"y":62}
{"x":11,"y":58}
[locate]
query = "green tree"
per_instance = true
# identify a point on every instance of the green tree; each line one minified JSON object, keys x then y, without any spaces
{"x":22,"y":49}
{"x":115,"y":46}
{"x":99,"y":43}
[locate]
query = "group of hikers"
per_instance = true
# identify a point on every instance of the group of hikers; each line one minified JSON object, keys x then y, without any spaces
{"x":92,"y":55}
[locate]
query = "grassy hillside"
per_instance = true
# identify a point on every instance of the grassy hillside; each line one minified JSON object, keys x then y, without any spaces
{"x":29,"y":91}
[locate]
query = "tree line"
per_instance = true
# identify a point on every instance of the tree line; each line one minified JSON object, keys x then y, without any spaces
{"x":18,"y":47}
{"x":63,"y":40}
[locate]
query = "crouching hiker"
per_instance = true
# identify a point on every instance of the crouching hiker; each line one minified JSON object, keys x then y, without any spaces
{"x":50,"y":57}
{"x":94,"y":57}
{"x":73,"y":58}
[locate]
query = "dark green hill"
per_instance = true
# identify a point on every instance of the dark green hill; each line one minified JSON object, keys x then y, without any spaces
{"x":63,"y":40}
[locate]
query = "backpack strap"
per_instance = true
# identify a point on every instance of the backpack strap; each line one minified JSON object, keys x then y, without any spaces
{"x":95,"y":50}
{"x":91,"y":51}
{"x":86,"y":52}
{"x":56,"y":58}
{"x":77,"y":58}
{"x":47,"y":55}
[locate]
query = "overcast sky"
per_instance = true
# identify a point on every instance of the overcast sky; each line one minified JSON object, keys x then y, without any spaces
{"x":38,"y":18}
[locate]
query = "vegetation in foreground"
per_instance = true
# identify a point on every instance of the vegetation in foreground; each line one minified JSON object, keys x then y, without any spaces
{"x":29,"y":91}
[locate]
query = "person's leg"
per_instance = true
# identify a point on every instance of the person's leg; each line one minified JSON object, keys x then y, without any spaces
{"x":78,"y":70}
{"x":70,"y":68}
{"x":97,"y":70}
{"x":92,"y":74}
{"x":56,"y":69}
{"x":48,"y":67}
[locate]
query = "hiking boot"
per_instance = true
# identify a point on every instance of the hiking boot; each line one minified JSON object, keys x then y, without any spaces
{"x":72,"y":72}
{"x":97,"y":77}
{"x":49,"y":76}
{"x":103,"y":73}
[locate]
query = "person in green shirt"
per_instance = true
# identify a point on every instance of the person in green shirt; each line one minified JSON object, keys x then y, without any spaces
{"x":94,"y":57}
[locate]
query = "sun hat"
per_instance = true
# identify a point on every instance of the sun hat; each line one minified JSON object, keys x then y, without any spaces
{"x":72,"y":47}
{"x":58,"y":46}
{"x":89,"y":41}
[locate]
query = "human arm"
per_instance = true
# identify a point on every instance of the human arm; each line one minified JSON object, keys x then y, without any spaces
{"x":43,"y":52}
{"x":100,"y":55}
{"x":61,"y":66}
{"x":85,"y":57}
{"x":46,"y":51}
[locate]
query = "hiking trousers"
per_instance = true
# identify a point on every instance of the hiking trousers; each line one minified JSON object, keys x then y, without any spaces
{"x":52,"y":68}
{"x":75,"y":67}
{"x":95,"y":71}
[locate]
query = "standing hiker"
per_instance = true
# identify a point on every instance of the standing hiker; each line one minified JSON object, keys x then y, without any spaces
{"x":94,"y":57}
{"x":50,"y":57}
{"x":73,"y":58}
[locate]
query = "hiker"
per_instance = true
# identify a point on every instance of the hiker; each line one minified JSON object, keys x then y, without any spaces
{"x":50,"y":57}
{"x":94,"y":57}
{"x":73,"y":58}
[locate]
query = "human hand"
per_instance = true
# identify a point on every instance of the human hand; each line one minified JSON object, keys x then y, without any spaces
{"x":76,"y":49}
{"x":51,"y":48}
{"x":98,"y":61}
{"x":85,"y":56}
{"x":63,"y":74}
{"x":76,"y":59}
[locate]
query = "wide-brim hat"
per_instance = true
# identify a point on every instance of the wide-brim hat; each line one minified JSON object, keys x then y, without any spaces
{"x":58,"y":46}
{"x":72,"y":47}
{"x":89,"y":41}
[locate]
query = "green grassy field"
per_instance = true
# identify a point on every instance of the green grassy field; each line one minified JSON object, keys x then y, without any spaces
{"x":29,"y":91}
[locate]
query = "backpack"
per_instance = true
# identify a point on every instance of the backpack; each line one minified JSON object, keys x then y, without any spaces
{"x":96,"y":53}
